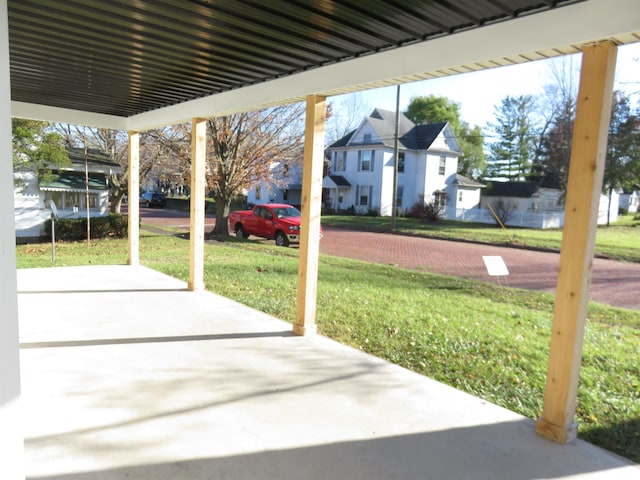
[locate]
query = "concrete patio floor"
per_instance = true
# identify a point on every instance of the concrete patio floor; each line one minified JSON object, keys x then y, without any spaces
{"x":126,"y":374}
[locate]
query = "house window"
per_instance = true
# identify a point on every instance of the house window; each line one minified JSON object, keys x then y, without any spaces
{"x":258,"y":192}
{"x":285,"y":195}
{"x":57,"y":197}
{"x":440,"y":198}
{"x":399,"y":195}
{"x":71,"y":200}
{"x":340,"y":161}
{"x":367,"y":138}
{"x":460,"y":196}
{"x":366,"y":160}
{"x":363,"y":195}
{"x":401,"y":162}
{"x":285,"y":170}
{"x":443,"y":164}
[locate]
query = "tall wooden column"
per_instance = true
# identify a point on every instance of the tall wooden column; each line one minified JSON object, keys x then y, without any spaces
{"x":134,"y":195}
{"x":196,"y":239}
{"x":586,"y":170}
{"x":311,"y":210}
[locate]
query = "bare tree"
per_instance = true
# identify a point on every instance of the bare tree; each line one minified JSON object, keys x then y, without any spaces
{"x":345,"y":116}
{"x":242,"y":151}
{"x":113,"y":143}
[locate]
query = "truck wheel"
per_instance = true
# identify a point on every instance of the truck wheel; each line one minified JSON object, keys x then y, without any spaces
{"x":240,"y":233}
{"x":281,"y":239}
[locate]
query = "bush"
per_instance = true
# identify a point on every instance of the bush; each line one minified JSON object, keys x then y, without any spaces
{"x":119,"y":225}
{"x":73,"y":229}
{"x":372,"y":212}
{"x":429,"y":212}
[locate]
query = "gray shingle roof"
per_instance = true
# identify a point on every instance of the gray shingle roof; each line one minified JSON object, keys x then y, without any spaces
{"x":463,"y":181}
{"x":411,"y":136}
{"x":512,"y":189}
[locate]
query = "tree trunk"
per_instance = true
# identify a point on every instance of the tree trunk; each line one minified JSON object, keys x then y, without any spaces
{"x":116,"y":201}
{"x":221,"y":228}
{"x":609,"y":206}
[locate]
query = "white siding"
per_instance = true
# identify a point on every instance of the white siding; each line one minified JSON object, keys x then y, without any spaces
{"x":31,"y":211}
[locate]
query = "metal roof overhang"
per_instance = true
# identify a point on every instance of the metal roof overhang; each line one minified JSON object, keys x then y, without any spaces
{"x":140,"y":65}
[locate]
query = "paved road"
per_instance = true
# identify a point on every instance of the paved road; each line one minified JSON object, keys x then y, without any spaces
{"x":613,"y":283}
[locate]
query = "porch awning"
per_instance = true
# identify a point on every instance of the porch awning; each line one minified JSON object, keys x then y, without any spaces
{"x":75,"y":182}
{"x":335,"y":181}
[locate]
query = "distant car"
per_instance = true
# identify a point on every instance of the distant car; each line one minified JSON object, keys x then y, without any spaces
{"x":153,"y":199}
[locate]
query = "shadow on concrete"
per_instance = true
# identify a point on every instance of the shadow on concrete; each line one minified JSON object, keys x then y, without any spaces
{"x":173,"y":338}
{"x":462,"y":453}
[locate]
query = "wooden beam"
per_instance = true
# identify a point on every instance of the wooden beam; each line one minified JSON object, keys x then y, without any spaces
{"x":196,"y":239}
{"x":311,"y":209}
{"x":133,"y":198}
{"x":584,"y":186}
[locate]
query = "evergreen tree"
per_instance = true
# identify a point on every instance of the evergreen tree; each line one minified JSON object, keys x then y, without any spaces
{"x":511,"y":154}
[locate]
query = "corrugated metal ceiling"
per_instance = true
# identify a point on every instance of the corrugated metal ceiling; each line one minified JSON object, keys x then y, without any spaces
{"x":131,"y":56}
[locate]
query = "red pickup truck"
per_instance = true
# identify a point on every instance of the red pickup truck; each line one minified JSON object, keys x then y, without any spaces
{"x":277,"y":221}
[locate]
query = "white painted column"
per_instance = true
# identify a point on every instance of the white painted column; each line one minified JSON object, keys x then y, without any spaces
{"x":311,"y":209}
{"x":134,"y":195}
{"x":586,"y":169}
{"x":196,"y":239}
{"x":11,"y":433}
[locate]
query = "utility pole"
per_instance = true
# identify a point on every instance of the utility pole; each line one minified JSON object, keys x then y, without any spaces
{"x":394,"y":194}
{"x":86,"y":186}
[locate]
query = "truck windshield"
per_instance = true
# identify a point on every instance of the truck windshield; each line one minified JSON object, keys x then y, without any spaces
{"x":286,"y":212}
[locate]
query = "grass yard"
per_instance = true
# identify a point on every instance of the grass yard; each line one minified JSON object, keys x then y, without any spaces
{"x":484,"y":339}
{"x":619,"y":241}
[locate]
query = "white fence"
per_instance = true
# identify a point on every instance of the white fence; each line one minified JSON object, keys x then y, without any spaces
{"x":518,"y":219}
{"x":522,"y":219}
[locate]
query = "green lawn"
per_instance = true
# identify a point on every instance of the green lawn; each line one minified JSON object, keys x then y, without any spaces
{"x":484,"y":339}
{"x":620,"y":241}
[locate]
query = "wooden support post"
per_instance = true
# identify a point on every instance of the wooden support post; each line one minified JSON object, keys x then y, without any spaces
{"x":196,"y":239}
{"x":311,"y":210}
{"x":584,"y":185}
{"x":133,"y":205}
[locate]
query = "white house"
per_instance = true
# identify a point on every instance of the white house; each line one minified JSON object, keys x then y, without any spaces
{"x":535,"y":204}
{"x":67,"y":189}
{"x":283,"y":186}
{"x":630,"y":201}
{"x":362,"y":167}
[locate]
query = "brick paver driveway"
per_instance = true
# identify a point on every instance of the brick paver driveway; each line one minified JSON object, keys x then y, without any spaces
{"x":613,"y":283}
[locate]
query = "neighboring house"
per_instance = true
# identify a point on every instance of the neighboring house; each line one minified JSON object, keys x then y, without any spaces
{"x":630,"y":201}
{"x":67,"y":189}
{"x":362,"y":167}
{"x":283,"y":186}
{"x":527,"y":197}
{"x":534,"y":204}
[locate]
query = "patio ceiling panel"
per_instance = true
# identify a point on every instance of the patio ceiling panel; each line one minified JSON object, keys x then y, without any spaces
{"x":124,"y":58}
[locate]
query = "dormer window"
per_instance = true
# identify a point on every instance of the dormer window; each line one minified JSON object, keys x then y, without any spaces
{"x":367,"y":138}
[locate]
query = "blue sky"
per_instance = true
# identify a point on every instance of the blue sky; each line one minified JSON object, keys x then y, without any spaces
{"x":479,"y":92}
